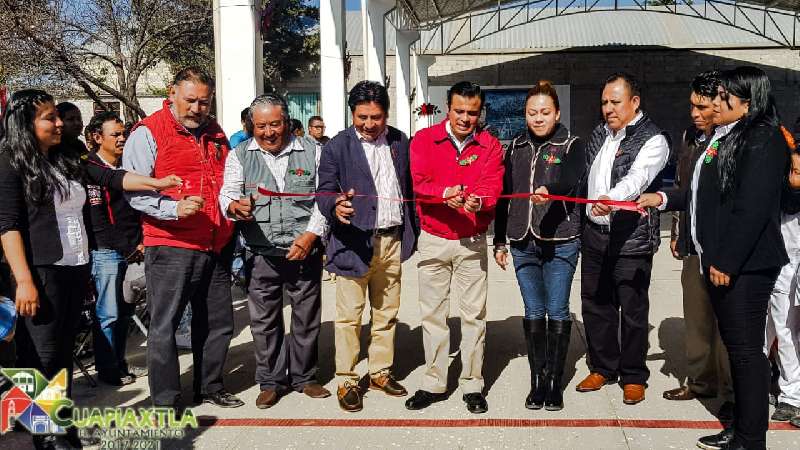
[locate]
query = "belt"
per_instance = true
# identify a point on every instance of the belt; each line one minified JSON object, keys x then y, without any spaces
{"x":390,"y":231}
{"x":603,"y":229}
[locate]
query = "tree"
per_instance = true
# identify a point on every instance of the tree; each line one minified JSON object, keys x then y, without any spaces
{"x":291,"y":40}
{"x":100,"y":46}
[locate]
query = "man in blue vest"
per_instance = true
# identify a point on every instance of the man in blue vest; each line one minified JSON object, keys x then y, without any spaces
{"x":283,"y":234}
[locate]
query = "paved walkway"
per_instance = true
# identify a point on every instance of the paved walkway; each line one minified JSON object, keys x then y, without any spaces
{"x":597,"y":420}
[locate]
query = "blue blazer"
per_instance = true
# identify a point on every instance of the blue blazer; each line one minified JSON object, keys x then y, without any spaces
{"x":343,"y":165}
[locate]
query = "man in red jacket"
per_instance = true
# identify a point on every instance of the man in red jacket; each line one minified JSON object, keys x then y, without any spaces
{"x":187,"y":240}
{"x":462,"y":165}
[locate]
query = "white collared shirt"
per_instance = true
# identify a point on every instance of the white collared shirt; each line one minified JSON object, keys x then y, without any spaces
{"x":379,"y":158}
{"x":460,"y":145}
{"x":649,"y":162}
{"x":233,"y":184}
{"x":719,"y":132}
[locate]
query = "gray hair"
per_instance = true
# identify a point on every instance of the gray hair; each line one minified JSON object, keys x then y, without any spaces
{"x":267,"y":100}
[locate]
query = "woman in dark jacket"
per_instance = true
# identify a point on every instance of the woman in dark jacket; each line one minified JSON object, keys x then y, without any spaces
{"x":44,"y":235}
{"x":734,"y":204}
{"x":544,"y":159}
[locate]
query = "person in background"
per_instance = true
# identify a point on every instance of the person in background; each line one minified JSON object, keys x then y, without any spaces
{"x":73,"y":128}
{"x":243,"y":134}
{"x":708,"y":369}
{"x":545,"y":158}
{"x":116,"y":228}
{"x":296,"y":128}
{"x":316,"y":130}
{"x":187,"y":239}
{"x":461,"y":164}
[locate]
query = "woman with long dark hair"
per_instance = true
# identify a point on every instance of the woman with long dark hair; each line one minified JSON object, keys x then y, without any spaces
{"x":44,"y":235}
{"x":545,"y":158}
{"x":735,"y":211}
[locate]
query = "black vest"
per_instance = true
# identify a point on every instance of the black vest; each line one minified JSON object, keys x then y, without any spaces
{"x":631,"y":234}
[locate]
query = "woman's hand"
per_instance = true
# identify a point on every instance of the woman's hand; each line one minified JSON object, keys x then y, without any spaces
{"x":27,"y":299}
{"x":718,"y":278}
{"x":537,"y":198}
{"x":167,"y":182}
{"x":653,"y":200}
{"x":501,"y":256}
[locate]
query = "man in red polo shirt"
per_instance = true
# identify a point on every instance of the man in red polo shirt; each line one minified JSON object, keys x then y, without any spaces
{"x":187,"y":240}
{"x":463,"y":165}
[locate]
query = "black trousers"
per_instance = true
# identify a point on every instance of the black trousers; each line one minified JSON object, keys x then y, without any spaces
{"x":175,"y":277}
{"x":284,"y":361}
{"x":615,"y":305}
{"x":46,"y":340}
{"x":741,"y":311}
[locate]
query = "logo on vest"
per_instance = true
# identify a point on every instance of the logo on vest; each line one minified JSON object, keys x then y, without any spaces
{"x":300,"y":172}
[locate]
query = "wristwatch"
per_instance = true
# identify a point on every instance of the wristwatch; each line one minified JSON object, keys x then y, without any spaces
{"x":501,"y":248}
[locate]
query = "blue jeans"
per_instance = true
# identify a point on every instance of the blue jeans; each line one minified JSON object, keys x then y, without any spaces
{"x":544,"y":273}
{"x":113,"y":314}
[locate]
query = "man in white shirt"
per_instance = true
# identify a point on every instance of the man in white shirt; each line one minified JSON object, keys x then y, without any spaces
{"x":625,"y":156}
{"x":283,"y":234}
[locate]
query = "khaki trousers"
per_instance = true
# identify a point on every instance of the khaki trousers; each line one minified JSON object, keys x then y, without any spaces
{"x":383,"y":282}
{"x":706,"y":357}
{"x":452,"y":269}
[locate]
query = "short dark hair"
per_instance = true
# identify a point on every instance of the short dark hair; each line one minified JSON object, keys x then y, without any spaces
{"x":313,"y":118}
{"x":96,"y":126}
{"x":65,"y":107}
{"x":294,"y":125}
{"x":544,"y":87}
{"x":465,"y":89}
{"x":368,"y":92}
{"x":243,"y":114}
{"x":629,"y":79}
{"x":195,"y":74}
{"x":706,"y":84}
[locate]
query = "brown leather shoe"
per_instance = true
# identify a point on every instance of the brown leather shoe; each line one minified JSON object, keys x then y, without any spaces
{"x":315,"y":390}
{"x":267,"y":399}
{"x":387,"y":384}
{"x":632,"y":393}
{"x":350,"y":398}
{"x":681,"y":393}
{"x":593,"y":382}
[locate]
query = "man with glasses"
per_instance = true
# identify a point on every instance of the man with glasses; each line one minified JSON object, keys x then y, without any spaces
{"x":316,"y":131}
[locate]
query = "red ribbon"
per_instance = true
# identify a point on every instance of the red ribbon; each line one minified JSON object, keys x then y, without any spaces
{"x":623,"y":205}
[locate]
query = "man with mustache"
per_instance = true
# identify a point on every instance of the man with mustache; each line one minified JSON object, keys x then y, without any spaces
{"x":118,"y":236}
{"x":625,"y":156}
{"x":283,"y":235}
{"x":187,"y":239}
{"x":370,"y":237}
{"x":462,"y":165}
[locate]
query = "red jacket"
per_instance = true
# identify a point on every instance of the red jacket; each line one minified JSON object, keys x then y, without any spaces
{"x":200,"y":164}
{"x":436,"y":165}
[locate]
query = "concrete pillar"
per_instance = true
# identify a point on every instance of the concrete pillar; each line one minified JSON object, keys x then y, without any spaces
{"x":402,"y":78}
{"x":374,"y":38}
{"x":421,"y":65}
{"x":333,"y":90}
{"x":238,"y":53}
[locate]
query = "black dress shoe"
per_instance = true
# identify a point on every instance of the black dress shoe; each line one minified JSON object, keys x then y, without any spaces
{"x":717,"y":441}
{"x":221,"y":398}
{"x":422,"y":399}
{"x":476,"y":403}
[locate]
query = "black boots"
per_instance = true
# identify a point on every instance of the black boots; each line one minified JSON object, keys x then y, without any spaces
{"x":536,"y":337}
{"x":558,"y":332}
{"x":548,"y":343}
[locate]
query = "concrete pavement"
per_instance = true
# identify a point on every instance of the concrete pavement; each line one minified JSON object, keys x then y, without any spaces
{"x":597,"y":420}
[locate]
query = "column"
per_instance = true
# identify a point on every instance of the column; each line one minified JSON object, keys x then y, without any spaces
{"x":374,"y":38}
{"x":333,"y":90}
{"x":402,"y":78}
{"x":421,"y":65}
{"x":238,"y":52}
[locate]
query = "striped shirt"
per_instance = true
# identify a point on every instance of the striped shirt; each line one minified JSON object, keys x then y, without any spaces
{"x":379,"y":158}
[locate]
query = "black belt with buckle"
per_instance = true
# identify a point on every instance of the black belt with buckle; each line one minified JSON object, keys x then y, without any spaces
{"x":390,"y":231}
{"x":603,"y":229}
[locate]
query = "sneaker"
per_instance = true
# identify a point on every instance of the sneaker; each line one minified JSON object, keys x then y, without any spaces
{"x":221,"y":398}
{"x":136,"y":371}
{"x":785,"y":412}
{"x":716,"y":441}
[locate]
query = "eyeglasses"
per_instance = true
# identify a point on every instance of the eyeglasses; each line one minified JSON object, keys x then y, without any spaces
{"x":321,"y":127}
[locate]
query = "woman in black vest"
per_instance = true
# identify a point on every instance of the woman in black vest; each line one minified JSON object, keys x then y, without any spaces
{"x":735,"y":210}
{"x":43,"y":231}
{"x":544,"y":159}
